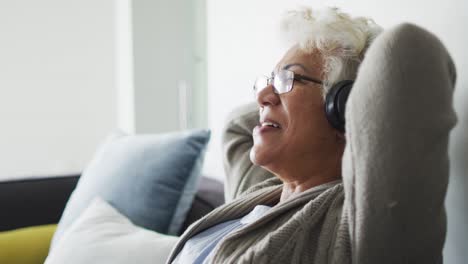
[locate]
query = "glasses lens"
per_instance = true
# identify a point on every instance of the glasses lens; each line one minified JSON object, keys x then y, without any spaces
{"x":283,"y":81}
{"x":260,"y":83}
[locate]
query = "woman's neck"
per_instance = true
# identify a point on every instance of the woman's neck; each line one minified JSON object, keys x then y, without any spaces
{"x":303,"y":177}
{"x":293,"y":188}
{"x":301,"y":174}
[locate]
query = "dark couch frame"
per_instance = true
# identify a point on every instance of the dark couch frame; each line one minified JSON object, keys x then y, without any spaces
{"x":40,"y":201}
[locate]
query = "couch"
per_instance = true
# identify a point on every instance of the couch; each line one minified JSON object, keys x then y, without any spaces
{"x":41,"y":201}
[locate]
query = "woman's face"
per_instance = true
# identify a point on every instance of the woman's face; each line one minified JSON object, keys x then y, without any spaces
{"x":304,"y":132}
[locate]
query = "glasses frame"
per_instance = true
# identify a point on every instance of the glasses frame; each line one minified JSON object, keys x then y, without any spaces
{"x":295,"y":77}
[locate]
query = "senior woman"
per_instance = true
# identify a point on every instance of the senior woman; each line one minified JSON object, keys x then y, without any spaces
{"x":372,"y":194}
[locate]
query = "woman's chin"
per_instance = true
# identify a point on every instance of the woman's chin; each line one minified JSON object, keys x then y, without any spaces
{"x":259,"y":157}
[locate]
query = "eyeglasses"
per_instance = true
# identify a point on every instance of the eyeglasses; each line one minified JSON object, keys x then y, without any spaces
{"x":282,"y":82}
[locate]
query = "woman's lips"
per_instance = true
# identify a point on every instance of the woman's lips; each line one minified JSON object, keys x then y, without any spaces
{"x":259,"y":129}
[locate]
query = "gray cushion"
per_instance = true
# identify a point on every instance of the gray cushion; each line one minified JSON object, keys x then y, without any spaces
{"x":151,"y":179}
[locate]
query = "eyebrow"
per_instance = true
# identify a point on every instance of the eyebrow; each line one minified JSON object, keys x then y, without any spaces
{"x":287,"y":66}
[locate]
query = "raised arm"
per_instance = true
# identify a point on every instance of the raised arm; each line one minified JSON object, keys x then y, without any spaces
{"x":241,"y":173}
{"x":395,"y":166}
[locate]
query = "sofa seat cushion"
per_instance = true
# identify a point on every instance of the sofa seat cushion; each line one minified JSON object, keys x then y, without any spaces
{"x":26,"y":245}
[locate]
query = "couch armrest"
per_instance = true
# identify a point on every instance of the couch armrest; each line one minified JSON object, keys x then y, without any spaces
{"x":41,"y":201}
{"x":210,"y":195}
{"x":32,"y":202}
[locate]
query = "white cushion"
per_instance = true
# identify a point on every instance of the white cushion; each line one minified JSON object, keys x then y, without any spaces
{"x":102,"y":235}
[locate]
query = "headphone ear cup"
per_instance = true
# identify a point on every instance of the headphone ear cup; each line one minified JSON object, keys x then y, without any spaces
{"x":335,"y":104}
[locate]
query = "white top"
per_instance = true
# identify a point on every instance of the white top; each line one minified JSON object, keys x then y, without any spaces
{"x":199,"y":248}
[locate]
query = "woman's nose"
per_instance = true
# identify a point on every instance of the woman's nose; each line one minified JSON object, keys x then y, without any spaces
{"x":267,"y":96}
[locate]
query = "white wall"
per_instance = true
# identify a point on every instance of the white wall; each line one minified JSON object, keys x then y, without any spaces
{"x":242,"y":43}
{"x":57,"y":96}
{"x":73,"y":71}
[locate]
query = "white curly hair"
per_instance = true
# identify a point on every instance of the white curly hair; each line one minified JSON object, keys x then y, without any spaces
{"x":341,"y":39}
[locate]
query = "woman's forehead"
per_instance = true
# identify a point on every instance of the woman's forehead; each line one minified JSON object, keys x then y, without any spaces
{"x":296,"y":58}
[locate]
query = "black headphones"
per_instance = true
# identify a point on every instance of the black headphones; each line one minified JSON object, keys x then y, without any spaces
{"x":335,"y":104}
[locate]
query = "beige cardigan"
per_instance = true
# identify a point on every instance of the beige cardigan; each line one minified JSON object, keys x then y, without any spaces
{"x":389,"y":207}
